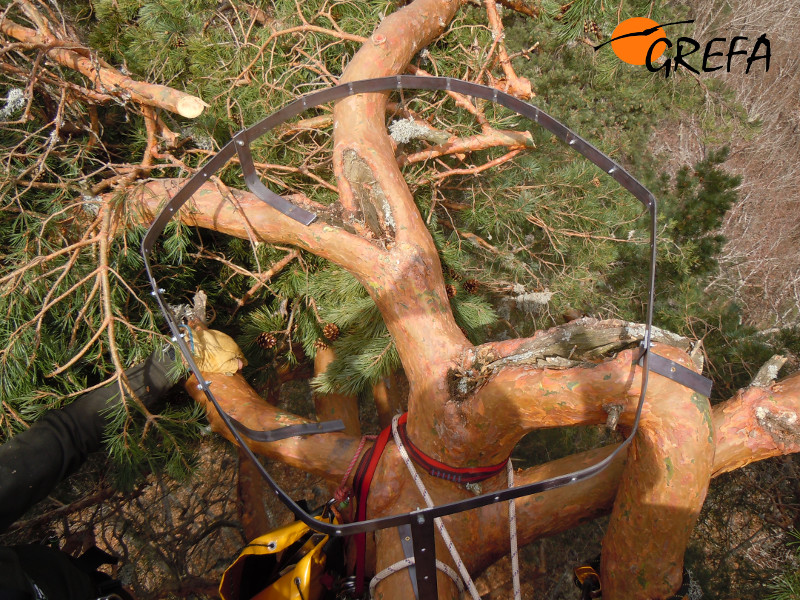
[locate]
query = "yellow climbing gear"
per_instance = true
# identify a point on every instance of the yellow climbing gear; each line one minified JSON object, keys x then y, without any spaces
{"x":285,"y":564}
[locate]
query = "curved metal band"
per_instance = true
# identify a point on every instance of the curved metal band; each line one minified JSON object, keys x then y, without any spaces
{"x":421,"y":521}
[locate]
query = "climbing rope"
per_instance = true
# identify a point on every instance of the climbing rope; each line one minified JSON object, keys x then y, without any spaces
{"x":406,"y":563}
{"x":448,"y":542}
{"x":364,"y":440}
{"x":344,"y":493}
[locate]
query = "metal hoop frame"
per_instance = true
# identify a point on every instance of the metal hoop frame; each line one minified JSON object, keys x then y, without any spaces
{"x":421,"y":520}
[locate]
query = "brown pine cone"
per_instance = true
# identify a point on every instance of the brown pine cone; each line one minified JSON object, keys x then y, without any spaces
{"x":319,"y":344}
{"x":472,"y":286}
{"x":331,"y":332}
{"x":267,"y":341}
{"x":454,"y":275}
{"x":450,"y":289}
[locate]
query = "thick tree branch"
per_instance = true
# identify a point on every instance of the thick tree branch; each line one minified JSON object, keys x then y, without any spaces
{"x":673,"y":455}
{"x":238,"y":213}
{"x":361,"y":133}
{"x":107,"y":80}
{"x":325,"y":455}
{"x":562,"y":509}
{"x":740,"y":439}
{"x":757,"y":423}
{"x":415,"y":306}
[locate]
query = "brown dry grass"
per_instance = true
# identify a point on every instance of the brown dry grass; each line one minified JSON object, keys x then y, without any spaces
{"x":761,"y":261}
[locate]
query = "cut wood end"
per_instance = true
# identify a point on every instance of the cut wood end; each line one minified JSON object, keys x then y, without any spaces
{"x":768,"y":372}
{"x":190,"y":107}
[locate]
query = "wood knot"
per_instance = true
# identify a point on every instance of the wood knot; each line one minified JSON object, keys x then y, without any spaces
{"x":614,"y":411}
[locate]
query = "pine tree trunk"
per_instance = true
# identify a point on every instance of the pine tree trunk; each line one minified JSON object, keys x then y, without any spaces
{"x":469,"y":406}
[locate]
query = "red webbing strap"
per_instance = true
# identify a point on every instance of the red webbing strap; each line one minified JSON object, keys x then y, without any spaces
{"x":361,"y":483}
{"x":441,"y":470}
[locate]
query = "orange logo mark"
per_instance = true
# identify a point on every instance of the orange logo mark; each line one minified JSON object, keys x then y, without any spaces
{"x":633,"y":37}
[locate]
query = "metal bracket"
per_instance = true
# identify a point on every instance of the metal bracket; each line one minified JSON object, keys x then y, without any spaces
{"x":407,"y":541}
{"x":422,"y":534}
{"x":678,"y":373}
{"x":420,"y":522}
{"x":289,"y":431}
{"x":255,"y":185}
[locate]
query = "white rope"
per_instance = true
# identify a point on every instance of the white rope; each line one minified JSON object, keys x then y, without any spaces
{"x":404,"y":564}
{"x":512,"y":526}
{"x":448,"y":542}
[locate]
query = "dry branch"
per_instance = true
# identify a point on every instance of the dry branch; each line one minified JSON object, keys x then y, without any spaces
{"x":493,"y":138}
{"x":513,"y":84}
{"x":496,"y":162}
{"x":108,"y":81}
{"x":521,"y":7}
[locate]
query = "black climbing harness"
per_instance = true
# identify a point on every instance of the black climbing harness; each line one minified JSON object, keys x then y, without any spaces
{"x":419,"y":523}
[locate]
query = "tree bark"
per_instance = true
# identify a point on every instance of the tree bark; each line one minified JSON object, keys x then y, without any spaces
{"x":748,"y":419}
{"x":511,"y":389}
{"x":108,"y":80}
{"x":470,"y":406}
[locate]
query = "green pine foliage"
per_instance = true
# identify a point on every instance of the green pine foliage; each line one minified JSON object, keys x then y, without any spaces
{"x":787,"y":585}
{"x":697,"y":205}
{"x":562,"y":234}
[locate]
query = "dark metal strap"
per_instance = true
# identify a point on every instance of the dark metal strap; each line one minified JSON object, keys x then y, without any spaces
{"x":289,"y":431}
{"x":260,"y":190}
{"x":678,"y":373}
{"x":407,"y":542}
{"x":424,"y":542}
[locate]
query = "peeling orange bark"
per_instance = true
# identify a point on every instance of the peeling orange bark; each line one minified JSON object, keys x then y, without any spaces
{"x":757,"y":423}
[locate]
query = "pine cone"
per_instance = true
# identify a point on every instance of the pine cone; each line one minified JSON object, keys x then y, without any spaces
{"x":454,"y":275}
{"x":472,"y":286}
{"x":451,"y":290}
{"x":267,"y":341}
{"x":319,"y":344}
{"x":331,"y":332}
{"x":592,"y":28}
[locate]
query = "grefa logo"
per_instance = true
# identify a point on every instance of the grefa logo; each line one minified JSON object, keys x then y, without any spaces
{"x":642,"y":41}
